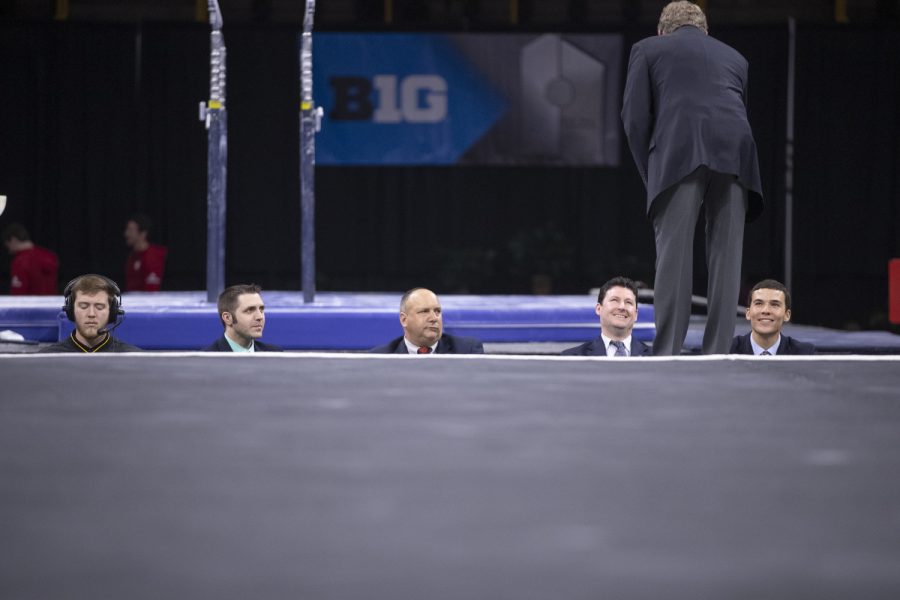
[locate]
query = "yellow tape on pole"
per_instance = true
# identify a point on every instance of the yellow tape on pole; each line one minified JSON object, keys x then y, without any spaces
{"x":61,"y":10}
{"x":840,"y":11}
{"x":201,"y":11}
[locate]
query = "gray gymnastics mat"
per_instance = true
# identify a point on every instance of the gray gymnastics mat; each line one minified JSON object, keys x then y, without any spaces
{"x":169,"y":476}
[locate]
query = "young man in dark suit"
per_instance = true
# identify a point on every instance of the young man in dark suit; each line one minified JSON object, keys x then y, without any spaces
{"x":243,"y":315}
{"x":685,"y":117}
{"x":617,"y":308}
{"x":768,"y":309}
{"x":423,"y":329}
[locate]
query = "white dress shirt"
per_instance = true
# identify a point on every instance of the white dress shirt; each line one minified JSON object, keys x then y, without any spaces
{"x":757,"y":349}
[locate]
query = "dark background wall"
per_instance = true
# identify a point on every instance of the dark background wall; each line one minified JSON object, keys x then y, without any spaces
{"x":100,"y":120}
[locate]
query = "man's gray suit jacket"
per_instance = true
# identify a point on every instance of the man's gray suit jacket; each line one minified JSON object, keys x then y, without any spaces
{"x":685,"y":106}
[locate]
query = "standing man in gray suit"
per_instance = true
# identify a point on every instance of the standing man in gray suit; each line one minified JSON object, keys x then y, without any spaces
{"x":685,"y":118}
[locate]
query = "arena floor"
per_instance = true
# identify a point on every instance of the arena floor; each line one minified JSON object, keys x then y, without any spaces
{"x":376,"y":477}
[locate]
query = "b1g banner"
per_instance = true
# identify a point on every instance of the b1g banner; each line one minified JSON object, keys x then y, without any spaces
{"x":487,"y":99}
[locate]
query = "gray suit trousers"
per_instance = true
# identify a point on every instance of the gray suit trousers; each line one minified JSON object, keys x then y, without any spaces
{"x":675,"y":213}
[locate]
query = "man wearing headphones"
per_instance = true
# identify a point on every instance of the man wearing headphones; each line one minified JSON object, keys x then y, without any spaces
{"x":243,"y":315}
{"x":93,"y":303}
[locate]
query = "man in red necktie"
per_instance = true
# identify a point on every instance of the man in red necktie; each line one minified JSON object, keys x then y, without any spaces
{"x":422,"y":320}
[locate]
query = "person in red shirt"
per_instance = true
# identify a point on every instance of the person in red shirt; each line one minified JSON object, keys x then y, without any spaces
{"x":34,"y":269}
{"x":146,"y":264}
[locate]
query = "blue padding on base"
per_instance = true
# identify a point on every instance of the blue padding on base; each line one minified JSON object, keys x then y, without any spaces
{"x":36,"y":323}
{"x":336,"y":321}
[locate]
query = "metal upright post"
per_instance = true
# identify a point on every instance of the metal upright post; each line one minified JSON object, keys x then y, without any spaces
{"x":310,"y":121}
{"x":215,"y":115}
{"x":789,"y":159}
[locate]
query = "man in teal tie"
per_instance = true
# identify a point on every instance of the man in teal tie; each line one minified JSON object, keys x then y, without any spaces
{"x":243,"y":315}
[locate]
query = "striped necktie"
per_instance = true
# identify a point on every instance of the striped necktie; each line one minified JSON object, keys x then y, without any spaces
{"x":620,"y":348}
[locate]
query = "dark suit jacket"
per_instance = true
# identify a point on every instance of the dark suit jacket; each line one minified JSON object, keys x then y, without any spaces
{"x":448,"y":344}
{"x":685,"y":106}
{"x":221,"y":345}
{"x":741,"y":345}
{"x":596,"y":348}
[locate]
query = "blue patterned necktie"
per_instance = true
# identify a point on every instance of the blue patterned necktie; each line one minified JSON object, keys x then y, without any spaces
{"x":620,"y":348}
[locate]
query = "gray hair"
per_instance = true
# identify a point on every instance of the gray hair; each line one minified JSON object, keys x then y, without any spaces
{"x":676,"y":14}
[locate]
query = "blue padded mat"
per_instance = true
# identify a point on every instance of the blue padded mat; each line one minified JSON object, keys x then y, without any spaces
{"x":335,"y":321}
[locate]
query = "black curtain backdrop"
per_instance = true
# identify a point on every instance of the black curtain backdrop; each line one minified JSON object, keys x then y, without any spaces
{"x":848,"y":159}
{"x":100,"y":121}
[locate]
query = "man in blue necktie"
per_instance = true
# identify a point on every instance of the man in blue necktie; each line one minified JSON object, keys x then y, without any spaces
{"x":617,"y":308}
{"x":768,"y":309}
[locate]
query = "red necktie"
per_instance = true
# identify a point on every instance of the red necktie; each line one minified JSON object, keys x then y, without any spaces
{"x":424,"y":350}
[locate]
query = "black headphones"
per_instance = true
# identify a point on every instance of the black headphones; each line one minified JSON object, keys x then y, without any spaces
{"x":115,"y":298}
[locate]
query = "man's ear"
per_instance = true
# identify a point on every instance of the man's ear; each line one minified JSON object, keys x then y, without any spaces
{"x":598,"y":308}
{"x":787,"y":315}
{"x":403,"y":320}
{"x":226,"y":317}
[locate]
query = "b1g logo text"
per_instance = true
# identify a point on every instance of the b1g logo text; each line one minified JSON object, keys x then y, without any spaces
{"x":409,"y":99}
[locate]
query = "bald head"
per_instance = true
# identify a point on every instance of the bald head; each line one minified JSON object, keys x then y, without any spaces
{"x":421,"y":317}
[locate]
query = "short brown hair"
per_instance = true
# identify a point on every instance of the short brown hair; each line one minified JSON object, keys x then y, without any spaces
{"x":771,"y":284}
{"x":15,"y":230}
{"x":228,"y":299}
{"x":91,"y":284}
{"x":677,"y":14}
{"x":617,"y":282}
{"x":143,"y":222}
